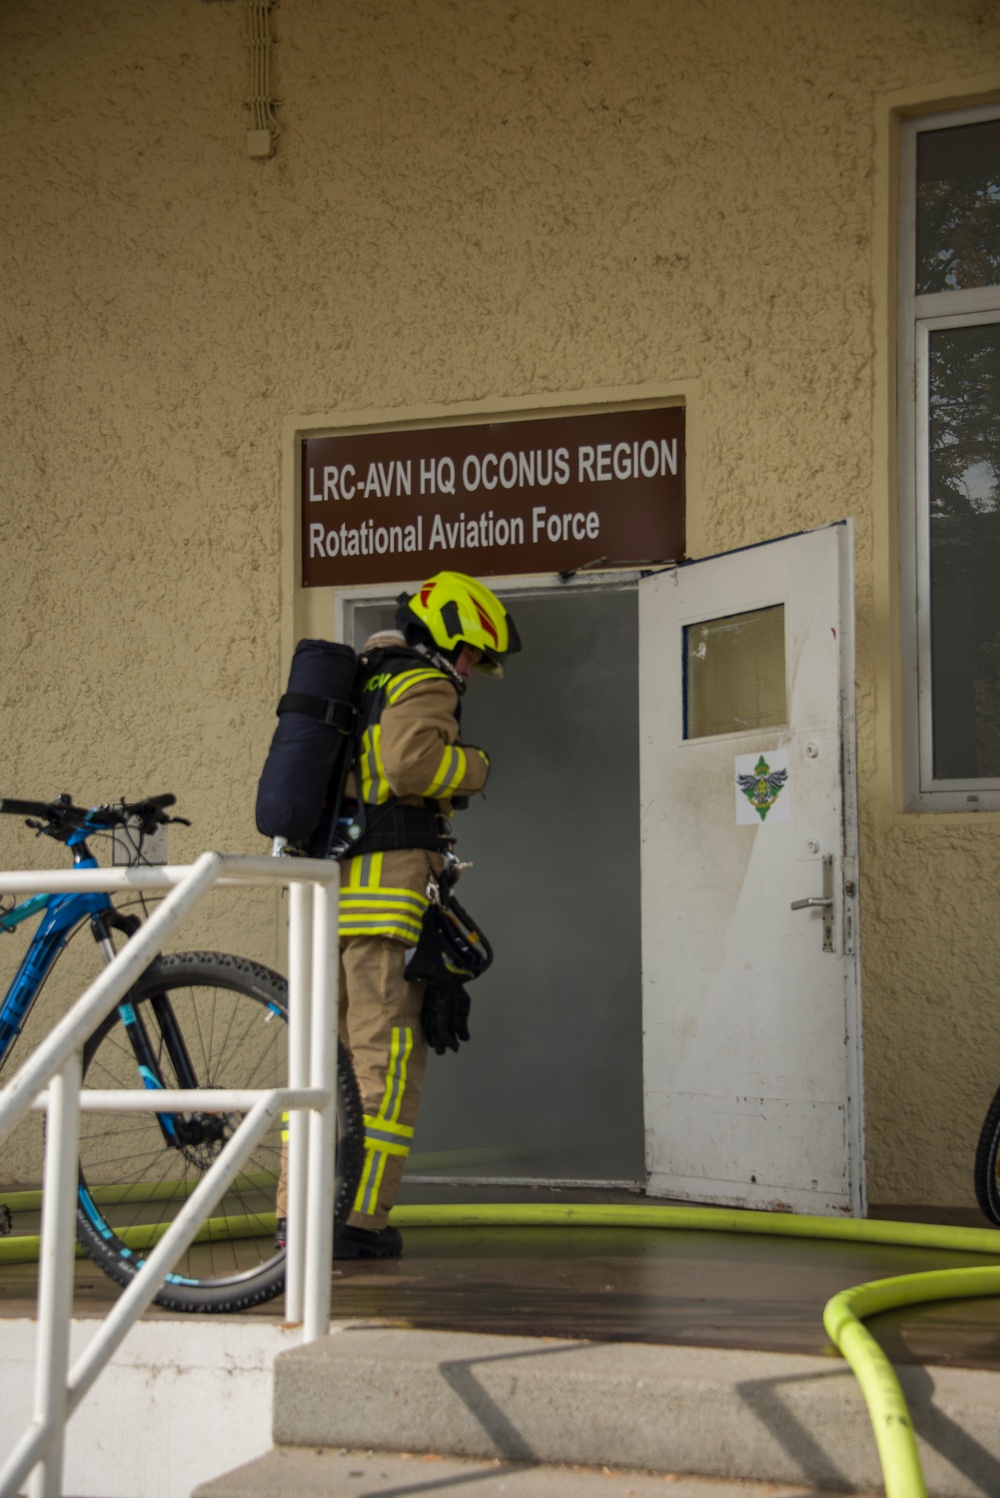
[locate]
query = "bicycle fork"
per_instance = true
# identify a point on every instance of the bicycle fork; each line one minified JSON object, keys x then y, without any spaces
{"x":177,"y":1129}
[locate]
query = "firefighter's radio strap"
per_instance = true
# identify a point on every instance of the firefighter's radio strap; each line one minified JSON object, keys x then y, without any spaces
{"x":451,"y":952}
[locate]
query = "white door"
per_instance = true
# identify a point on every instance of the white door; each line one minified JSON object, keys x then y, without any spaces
{"x":751,"y":1046}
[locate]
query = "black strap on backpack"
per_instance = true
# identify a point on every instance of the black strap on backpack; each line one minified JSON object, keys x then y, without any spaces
{"x":333,"y":711}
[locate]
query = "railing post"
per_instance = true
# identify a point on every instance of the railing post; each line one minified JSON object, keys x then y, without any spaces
{"x":314,"y":970}
{"x":322,"y":1122}
{"x":300,"y":926}
{"x":55,"y":1283}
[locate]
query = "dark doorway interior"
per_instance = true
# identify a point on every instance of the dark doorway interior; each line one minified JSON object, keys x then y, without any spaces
{"x":550,"y":1086}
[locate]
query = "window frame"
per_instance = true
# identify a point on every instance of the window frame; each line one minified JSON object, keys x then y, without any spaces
{"x":918,"y":317}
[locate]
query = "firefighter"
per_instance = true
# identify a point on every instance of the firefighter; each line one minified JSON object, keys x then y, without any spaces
{"x":412,"y":770}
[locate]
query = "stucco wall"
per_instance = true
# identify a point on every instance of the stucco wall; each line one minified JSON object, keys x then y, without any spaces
{"x":468,"y":202}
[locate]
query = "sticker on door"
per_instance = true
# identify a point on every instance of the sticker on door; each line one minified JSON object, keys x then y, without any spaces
{"x":763,"y":791}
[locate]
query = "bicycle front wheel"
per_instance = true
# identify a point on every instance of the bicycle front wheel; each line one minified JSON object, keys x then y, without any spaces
{"x":222,"y":1020}
{"x":987,"y":1163}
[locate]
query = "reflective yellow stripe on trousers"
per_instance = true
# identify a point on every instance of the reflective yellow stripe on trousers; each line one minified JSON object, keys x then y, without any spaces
{"x":368,"y":908}
{"x":384,"y":1134}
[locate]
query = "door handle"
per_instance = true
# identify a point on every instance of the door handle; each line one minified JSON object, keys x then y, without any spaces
{"x":823,"y":902}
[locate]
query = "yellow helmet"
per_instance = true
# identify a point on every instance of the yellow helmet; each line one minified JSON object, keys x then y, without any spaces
{"x":451,"y":610}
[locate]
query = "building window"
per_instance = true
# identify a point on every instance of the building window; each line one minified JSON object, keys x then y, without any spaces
{"x":949,"y":423}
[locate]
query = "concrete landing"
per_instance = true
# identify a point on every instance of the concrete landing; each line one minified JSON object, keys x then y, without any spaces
{"x":757,"y":1416}
{"x":599,"y":1284}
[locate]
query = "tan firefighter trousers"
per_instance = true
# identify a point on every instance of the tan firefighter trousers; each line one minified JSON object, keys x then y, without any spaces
{"x":380,"y":1027}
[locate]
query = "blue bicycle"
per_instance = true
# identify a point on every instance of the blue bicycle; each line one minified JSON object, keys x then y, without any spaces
{"x":194,"y":1019}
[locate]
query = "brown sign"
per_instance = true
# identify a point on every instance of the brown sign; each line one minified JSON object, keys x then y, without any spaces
{"x":511,"y":497}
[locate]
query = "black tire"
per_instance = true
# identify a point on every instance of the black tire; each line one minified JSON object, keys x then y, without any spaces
{"x":987,"y":1163}
{"x":232,"y":1014}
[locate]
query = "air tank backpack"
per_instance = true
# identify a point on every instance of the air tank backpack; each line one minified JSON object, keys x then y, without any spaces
{"x":299,"y":798}
{"x":302,"y":784}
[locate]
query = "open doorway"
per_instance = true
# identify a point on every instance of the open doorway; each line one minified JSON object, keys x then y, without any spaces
{"x":550,"y":1086}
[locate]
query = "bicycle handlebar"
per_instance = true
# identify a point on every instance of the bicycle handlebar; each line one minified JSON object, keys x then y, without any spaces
{"x":24,"y":808}
{"x":62,"y":815}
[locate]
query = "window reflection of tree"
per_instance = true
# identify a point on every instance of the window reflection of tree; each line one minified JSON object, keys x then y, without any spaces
{"x":958,"y":208}
{"x":958,"y":248}
{"x":965,"y":548}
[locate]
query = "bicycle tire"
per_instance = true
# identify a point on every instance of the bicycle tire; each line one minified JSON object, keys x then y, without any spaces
{"x":987,"y":1163}
{"x":233,"y":1015}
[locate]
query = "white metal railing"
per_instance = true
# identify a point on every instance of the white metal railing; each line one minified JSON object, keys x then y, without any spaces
{"x":310,"y":1097}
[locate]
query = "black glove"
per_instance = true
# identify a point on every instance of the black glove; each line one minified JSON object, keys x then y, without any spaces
{"x":444,"y":1017}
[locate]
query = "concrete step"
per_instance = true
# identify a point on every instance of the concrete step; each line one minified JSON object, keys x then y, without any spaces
{"x":732,"y":1415}
{"x":288,"y":1472}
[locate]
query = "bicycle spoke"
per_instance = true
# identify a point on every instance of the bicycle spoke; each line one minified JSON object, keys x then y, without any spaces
{"x":230,"y":1019}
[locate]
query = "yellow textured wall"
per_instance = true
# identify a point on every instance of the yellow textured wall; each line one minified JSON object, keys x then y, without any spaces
{"x":469,"y":202}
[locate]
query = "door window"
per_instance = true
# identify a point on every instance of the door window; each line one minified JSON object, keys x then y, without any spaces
{"x":734,"y":673}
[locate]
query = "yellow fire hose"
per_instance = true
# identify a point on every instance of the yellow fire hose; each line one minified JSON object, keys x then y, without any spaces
{"x":887,"y":1408}
{"x":842,"y":1317}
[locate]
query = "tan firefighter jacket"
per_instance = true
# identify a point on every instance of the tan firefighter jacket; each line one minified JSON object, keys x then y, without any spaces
{"x":411,"y":750}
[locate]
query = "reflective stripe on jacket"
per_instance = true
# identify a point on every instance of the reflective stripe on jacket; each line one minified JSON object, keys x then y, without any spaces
{"x":410,"y":745}
{"x":410,"y":752}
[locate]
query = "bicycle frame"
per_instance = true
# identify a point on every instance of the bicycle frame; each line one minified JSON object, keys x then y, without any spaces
{"x":63,"y":914}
